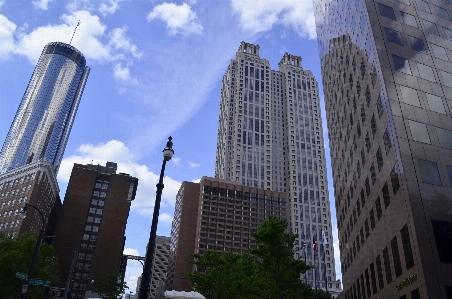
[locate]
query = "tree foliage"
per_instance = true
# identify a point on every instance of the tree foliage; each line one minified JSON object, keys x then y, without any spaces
{"x":111,"y":286}
{"x":268,"y":271}
{"x":15,"y":256}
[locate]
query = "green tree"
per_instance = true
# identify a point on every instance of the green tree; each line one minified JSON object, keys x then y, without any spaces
{"x":15,"y":256}
{"x":112,"y":286}
{"x":279,"y":272}
{"x":321,"y":294}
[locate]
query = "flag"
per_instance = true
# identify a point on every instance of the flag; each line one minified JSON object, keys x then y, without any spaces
{"x":325,"y":241}
{"x":314,"y":245}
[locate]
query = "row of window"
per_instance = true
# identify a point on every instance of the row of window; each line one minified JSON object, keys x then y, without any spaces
{"x":420,"y":133}
{"x":17,"y":181}
{"x":14,"y":223}
{"x":16,"y":191}
{"x":13,"y":202}
{"x":99,"y":194}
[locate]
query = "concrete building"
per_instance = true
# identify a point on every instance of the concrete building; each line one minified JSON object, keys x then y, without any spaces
{"x":159,"y":266}
{"x":45,"y":116}
{"x":35,"y":184}
{"x":216,"y":214}
{"x":387,"y":76}
{"x":270,"y":137}
{"x":90,"y":234}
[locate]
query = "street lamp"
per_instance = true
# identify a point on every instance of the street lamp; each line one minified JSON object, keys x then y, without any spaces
{"x":168,"y":153}
{"x":23,"y":214}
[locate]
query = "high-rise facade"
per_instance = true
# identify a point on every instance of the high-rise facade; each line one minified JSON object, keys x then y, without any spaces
{"x":219,"y":215}
{"x":159,"y":267}
{"x":270,"y":136}
{"x":90,"y":238}
{"x":387,"y":76}
{"x":44,"y":119}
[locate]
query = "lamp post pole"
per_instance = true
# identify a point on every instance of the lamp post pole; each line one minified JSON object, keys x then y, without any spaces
{"x":168,"y":153}
{"x":23,"y":213}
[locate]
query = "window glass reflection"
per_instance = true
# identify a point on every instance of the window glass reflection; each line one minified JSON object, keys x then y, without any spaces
{"x":430,"y":27}
{"x":435,"y":103}
{"x":417,"y":44}
{"x":449,"y":173}
{"x":422,"y":5}
{"x":410,"y":96}
{"x":448,"y":32}
{"x":408,"y":19}
{"x":426,"y":72}
{"x":419,"y":131}
{"x":444,"y":137}
{"x":447,"y":78}
{"x":401,"y":64}
{"x":442,"y":13}
{"x":386,"y":11}
{"x":393,"y":36}
{"x":439,"y":52}
{"x":429,"y":172}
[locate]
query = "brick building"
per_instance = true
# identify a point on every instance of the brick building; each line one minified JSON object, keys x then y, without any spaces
{"x":90,"y":234}
{"x":216,"y":214}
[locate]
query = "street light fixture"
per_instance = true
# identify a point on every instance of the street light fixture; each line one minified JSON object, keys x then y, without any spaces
{"x":23,"y":214}
{"x":168,"y":153}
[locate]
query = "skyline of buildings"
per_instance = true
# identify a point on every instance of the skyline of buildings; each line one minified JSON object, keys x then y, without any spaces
{"x":44,"y":118}
{"x":270,"y":136}
{"x":387,"y":84}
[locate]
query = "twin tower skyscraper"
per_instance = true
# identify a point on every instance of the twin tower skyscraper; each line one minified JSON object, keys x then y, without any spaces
{"x":41,"y":127}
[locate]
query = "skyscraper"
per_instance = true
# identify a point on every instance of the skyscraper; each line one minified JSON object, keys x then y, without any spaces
{"x":387,"y":80}
{"x":270,"y":137}
{"x":44,"y":119}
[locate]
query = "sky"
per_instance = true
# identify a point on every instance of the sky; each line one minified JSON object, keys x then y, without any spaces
{"x":156,"y":70}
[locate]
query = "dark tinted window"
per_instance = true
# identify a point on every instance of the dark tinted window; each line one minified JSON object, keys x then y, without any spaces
{"x":378,"y":206}
{"x":415,"y":294}
{"x":449,"y":292}
{"x":429,"y":172}
{"x":393,"y":36}
{"x":387,"y":265}
{"x":408,"y":19}
{"x":449,"y":173}
{"x":443,"y":238}
{"x":448,"y":32}
{"x":396,"y":257}
{"x":431,"y":27}
{"x":381,"y":283}
{"x":417,"y":44}
{"x":407,"y":251}
{"x":442,"y":13}
{"x":386,"y":11}
{"x":422,"y":5}
{"x":444,"y":137}
{"x":401,"y":64}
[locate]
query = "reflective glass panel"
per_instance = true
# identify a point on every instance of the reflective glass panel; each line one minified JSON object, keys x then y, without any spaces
{"x":435,"y":103}
{"x":401,"y":64}
{"x":444,"y":137}
{"x":422,"y":5}
{"x":410,"y":96}
{"x":448,"y":32}
{"x":449,"y":173}
{"x":426,"y":72}
{"x":429,"y":172}
{"x":447,"y":78}
{"x":442,"y":13}
{"x":439,"y":52}
{"x":419,"y":131}
{"x":386,"y":11}
{"x":408,"y":19}
{"x":393,"y":36}
{"x":417,"y":44}
{"x":430,"y":27}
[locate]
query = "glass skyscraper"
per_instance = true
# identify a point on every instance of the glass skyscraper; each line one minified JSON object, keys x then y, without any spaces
{"x":387,"y":76}
{"x":270,"y":137}
{"x":42,"y":124}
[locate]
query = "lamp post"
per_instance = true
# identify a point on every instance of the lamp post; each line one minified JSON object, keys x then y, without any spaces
{"x":168,"y":153}
{"x":23,"y":214}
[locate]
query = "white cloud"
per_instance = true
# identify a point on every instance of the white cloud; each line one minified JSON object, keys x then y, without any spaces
{"x":196,"y":181}
{"x":123,"y":74}
{"x":1,"y":4}
{"x":178,"y":18}
{"x":165,"y":217}
{"x":130,"y":251}
{"x":176,"y":160}
{"x":116,"y":151}
{"x":192,"y":165}
{"x":261,"y":15}
{"x":109,"y":7}
{"x":41,"y":4}
{"x":7,"y":29}
{"x":119,"y":41}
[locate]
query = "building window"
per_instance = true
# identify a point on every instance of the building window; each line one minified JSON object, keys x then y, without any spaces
{"x":81,"y":256}
{"x":429,"y":172}
{"x":422,"y":5}
{"x":89,"y":257}
{"x":88,"y":228}
{"x":99,"y":211}
{"x":426,"y":72}
{"x":93,"y":238}
{"x":447,"y":78}
{"x":408,"y":19}
{"x":101,"y":203}
{"x":407,"y":250}
{"x":85,"y":237}
{"x":393,"y":36}
{"x":372,"y":219}
{"x":435,"y":103}
{"x":90,"y":219}
{"x":444,"y":137}
{"x":401,"y":64}
{"x":442,"y":13}
{"x":449,"y":173}
{"x":96,"y":193}
{"x":415,"y":294}
{"x":416,"y":44}
{"x":103,"y":194}
{"x":387,"y":265}
{"x":419,"y":131}
{"x":94,"y":201}
{"x":378,"y":206}
{"x":79,"y":265}
{"x":396,"y":257}
{"x":386,"y":11}
{"x":430,"y":27}
{"x":379,"y":273}
{"x":104,"y":186}
{"x":443,"y":237}
{"x":96,"y":220}
{"x":95,"y":229}
{"x":87,"y":266}
{"x":92,"y":210}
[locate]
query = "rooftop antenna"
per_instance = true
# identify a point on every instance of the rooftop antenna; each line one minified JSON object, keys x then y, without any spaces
{"x":78,"y":24}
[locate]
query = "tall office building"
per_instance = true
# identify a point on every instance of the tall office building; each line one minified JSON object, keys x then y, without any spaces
{"x":90,"y":238}
{"x":216,"y":214}
{"x":44,"y":119}
{"x":387,"y":76}
{"x":159,"y":267}
{"x":270,"y":136}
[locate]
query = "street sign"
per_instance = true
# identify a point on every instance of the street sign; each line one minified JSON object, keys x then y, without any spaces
{"x":24,"y":288}
{"x":39,"y":282}
{"x":21,"y":275}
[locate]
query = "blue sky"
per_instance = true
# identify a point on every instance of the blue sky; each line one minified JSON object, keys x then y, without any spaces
{"x":156,"y":69}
